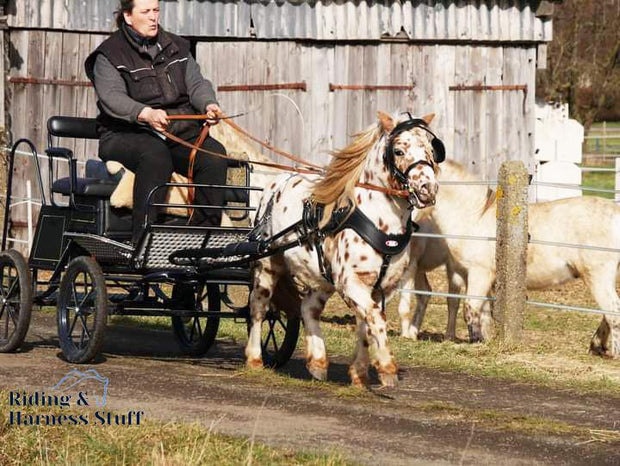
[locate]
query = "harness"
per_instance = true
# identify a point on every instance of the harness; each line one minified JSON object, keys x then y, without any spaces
{"x":388,"y":245}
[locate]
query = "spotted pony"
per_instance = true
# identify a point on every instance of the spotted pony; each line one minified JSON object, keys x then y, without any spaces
{"x":391,"y":154}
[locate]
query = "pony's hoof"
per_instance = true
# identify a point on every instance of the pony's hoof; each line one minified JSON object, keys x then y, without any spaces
{"x":449,"y":337}
{"x":475,"y":336}
{"x":389,"y":380}
{"x":318,"y":368}
{"x":598,"y":349}
{"x":318,"y":373}
{"x":358,"y":379}
{"x":410,"y":333}
{"x":254,"y":363}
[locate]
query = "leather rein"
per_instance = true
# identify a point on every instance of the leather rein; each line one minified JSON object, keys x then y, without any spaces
{"x":306,"y":168}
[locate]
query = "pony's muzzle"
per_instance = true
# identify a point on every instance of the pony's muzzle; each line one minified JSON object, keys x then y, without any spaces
{"x":427,"y":193}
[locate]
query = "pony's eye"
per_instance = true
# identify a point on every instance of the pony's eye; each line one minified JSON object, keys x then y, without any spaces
{"x":398,"y":152}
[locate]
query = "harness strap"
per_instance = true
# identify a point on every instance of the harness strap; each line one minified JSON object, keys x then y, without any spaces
{"x":204,"y":132}
{"x":386,"y":244}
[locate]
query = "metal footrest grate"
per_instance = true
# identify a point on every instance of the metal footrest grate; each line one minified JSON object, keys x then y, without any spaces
{"x":105,"y":250}
{"x":159,"y":244}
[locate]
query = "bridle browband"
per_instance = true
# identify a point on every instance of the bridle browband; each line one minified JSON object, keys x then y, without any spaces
{"x":389,"y":157}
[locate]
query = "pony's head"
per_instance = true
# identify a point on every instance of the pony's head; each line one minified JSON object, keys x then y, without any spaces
{"x":401,"y":155}
{"x":411,"y":157}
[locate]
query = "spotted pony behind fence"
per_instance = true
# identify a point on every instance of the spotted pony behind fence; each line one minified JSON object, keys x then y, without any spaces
{"x":391,"y":154}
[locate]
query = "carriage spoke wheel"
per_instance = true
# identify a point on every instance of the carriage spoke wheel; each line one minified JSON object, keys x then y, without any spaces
{"x":82,"y":310}
{"x":15,"y":300}
{"x":196,"y":334}
{"x":278,"y":338}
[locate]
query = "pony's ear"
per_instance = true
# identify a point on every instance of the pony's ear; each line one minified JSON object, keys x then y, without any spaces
{"x":428,"y":118}
{"x":387,"y":122}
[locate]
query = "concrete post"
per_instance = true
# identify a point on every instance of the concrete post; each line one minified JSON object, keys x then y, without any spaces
{"x":511,"y":250}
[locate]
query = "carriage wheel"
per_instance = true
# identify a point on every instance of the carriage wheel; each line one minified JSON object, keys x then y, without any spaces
{"x":279,"y":337}
{"x":195,"y":335}
{"x":82,"y":310}
{"x":15,"y":300}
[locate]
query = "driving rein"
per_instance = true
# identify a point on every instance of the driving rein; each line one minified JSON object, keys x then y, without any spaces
{"x":307,"y":167}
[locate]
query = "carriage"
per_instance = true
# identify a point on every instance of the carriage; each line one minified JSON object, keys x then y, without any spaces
{"x":82,"y":262}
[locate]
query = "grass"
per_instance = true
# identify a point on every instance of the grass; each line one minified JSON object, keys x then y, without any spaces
{"x":554,"y":351}
{"x":608,"y":146}
{"x":152,"y":443}
{"x":599,"y":180}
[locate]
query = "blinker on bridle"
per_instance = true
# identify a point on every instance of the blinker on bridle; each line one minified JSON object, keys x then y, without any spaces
{"x":439,"y":153}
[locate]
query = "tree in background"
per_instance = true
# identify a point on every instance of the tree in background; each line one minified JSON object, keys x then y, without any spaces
{"x":583,"y":65}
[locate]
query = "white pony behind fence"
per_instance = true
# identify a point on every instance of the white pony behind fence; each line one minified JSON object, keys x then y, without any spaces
{"x":590,"y":221}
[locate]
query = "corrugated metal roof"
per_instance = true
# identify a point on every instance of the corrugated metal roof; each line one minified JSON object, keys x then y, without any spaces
{"x":439,"y":20}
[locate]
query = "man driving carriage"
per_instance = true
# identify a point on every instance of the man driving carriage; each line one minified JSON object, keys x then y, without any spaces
{"x":142,"y":74}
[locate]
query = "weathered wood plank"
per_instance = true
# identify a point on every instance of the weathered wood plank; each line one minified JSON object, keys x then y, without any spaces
{"x":495,"y":149}
{"x":81,"y":97}
{"x":369,"y":76}
{"x":462,"y":108}
{"x":444,"y":99}
{"x":92,"y":146}
{"x":339,"y":100}
{"x":70,"y":70}
{"x":476,"y":120}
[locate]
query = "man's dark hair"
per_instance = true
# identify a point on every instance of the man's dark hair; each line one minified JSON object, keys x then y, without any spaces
{"x":125,"y":6}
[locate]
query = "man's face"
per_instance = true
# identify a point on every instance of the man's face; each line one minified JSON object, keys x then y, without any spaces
{"x":144,"y":17}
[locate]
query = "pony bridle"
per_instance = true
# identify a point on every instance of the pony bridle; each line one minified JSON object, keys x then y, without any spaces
{"x":389,"y":157}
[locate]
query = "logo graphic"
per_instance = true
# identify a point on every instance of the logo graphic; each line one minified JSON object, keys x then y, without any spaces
{"x":87,"y":381}
{"x":391,"y":243}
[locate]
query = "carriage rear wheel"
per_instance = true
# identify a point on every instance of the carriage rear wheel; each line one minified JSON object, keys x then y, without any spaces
{"x":82,"y":310}
{"x":15,"y":300}
{"x":196,"y":334}
{"x":279,"y":337}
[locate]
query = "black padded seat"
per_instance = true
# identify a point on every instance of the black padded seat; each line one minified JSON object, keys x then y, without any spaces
{"x":72,"y":127}
{"x":85,"y":187}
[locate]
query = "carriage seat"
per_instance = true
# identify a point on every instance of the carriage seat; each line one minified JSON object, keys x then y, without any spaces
{"x":98,"y":182}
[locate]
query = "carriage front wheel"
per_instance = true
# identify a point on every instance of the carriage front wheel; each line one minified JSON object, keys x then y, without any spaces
{"x":196,"y":334}
{"x":82,"y":310}
{"x":15,"y":300}
{"x":278,"y":338}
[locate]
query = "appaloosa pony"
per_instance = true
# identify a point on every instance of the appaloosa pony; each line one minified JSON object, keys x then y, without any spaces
{"x":591,"y":221}
{"x":391,"y":155}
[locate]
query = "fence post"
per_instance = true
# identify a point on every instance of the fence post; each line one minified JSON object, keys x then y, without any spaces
{"x":511,"y":250}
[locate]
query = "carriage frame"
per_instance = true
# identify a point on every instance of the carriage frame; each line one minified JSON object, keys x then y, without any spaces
{"x":81,"y":262}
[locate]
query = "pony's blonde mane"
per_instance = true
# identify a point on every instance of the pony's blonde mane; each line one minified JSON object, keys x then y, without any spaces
{"x":336,"y":188}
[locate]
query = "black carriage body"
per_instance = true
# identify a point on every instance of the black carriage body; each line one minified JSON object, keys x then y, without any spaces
{"x":84,"y":243}
{"x":91,"y":215}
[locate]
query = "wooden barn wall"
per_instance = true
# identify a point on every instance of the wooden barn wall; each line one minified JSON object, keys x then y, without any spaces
{"x":479,"y":128}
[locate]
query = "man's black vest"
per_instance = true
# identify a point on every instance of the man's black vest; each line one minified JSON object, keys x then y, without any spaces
{"x":157,"y":82}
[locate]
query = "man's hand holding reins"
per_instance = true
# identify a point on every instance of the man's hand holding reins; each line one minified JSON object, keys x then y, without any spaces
{"x":212,"y":112}
{"x":156,"y":118}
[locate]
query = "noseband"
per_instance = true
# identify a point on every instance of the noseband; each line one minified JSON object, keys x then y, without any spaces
{"x":389,"y":157}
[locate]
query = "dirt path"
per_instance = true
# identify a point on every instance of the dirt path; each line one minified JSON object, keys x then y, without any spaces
{"x":146,"y":372}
